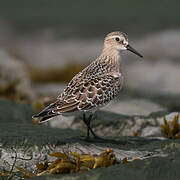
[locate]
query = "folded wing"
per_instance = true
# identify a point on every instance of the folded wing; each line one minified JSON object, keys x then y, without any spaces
{"x":84,"y":95}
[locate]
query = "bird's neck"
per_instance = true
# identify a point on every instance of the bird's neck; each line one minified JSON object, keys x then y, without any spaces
{"x":111,"y":57}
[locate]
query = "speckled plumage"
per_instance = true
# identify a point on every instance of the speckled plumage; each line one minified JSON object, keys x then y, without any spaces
{"x":94,"y":86}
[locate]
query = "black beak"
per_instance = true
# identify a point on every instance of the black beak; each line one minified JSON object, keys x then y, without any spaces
{"x":129,"y":48}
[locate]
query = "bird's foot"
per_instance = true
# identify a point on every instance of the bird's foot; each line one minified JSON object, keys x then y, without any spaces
{"x":91,"y":139}
{"x":86,"y":138}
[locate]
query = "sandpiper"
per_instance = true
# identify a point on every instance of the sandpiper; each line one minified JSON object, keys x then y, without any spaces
{"x":93,"y":87}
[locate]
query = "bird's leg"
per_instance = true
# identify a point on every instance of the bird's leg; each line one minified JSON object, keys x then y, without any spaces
{"x":89,"y":125}
{"x":88,"y":122}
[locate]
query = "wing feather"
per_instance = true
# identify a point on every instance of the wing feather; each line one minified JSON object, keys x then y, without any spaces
{"x":85,"y":94}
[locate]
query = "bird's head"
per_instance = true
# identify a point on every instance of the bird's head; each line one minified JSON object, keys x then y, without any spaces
{"x":118,"y":41}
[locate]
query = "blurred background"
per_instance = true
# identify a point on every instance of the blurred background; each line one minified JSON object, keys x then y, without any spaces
{"x":44,"y":43}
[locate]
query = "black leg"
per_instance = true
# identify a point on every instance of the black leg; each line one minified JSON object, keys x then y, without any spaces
{"x":89,"y":125}
{"x":85,"y":121}
{"x":88,"y":122}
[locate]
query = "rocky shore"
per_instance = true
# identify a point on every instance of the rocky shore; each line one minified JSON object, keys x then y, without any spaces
{"x":157,"y":156}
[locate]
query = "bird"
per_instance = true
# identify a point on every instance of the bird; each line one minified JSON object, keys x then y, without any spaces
{"x":95,"y":86}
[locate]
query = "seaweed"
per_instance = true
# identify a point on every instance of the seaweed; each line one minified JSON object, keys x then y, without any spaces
{"x":9,"y":90}
{"x":171,"y":129}
{"x":55,"y":74}
{"x":71,"y":162}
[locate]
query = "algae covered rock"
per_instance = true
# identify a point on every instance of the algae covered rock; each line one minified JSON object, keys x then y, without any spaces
{"x":24,"y":144}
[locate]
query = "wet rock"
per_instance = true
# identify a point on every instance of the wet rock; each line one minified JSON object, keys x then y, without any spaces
{"x":169,"y":117}
{"x":133,"y":107}
{"x":152,"y":168}
{"x":151,"y":131}
{"x":15,"y":114}
{"x":128,"y":107}
{"x":63,"y":122}
{"x":108,"y":124}
{"x":28,"y":144}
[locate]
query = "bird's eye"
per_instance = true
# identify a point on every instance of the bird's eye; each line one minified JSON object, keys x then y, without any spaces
{"x":117,"y":39}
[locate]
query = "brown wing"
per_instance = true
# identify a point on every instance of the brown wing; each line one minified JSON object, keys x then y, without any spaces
{"x":86,"y":94}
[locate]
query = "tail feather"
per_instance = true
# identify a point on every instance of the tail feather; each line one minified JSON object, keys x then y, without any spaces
{"x":45,"y":118}
{"x":46,"y":114}
{"x":55,"y":109}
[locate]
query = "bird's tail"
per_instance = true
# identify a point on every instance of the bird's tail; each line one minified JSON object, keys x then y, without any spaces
{"x":45,"y":115}
{"x":39,"y":119}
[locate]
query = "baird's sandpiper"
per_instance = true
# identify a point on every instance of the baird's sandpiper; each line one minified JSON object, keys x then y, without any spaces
{"x":94,"y":86}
